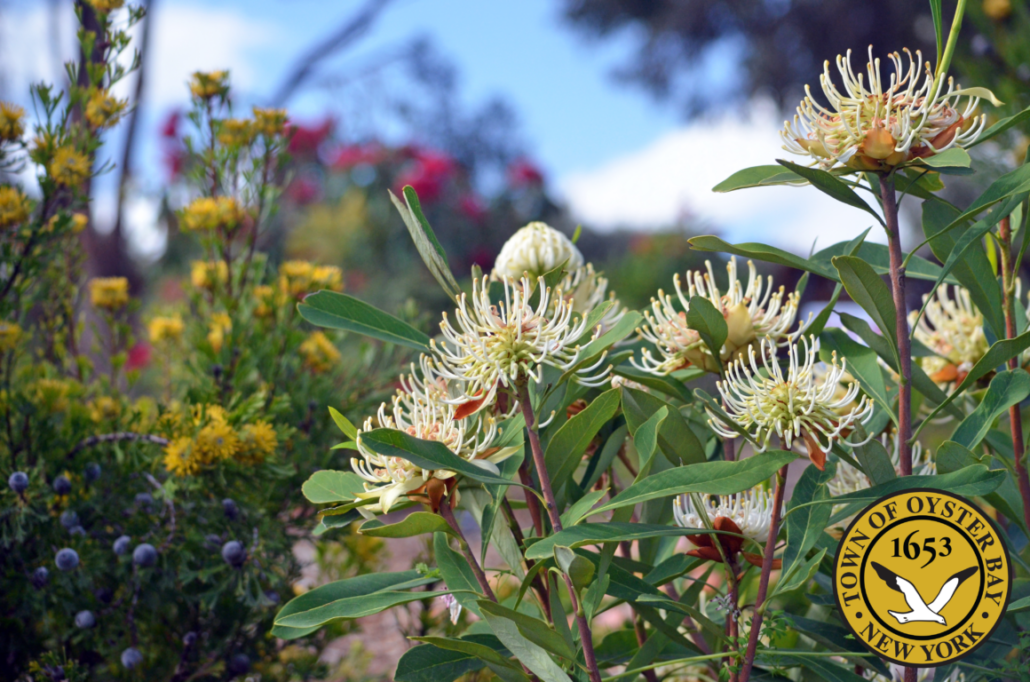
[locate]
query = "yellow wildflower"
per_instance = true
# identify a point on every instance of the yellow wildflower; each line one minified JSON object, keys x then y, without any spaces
{"x":269,"y":121}
{"x":295,"y":277}
{"x":103,"y":109}
{"x":328,"y":277}
{"x":11,"y":125}
{"x":107,"y":5}
{"x":14,"y":207}
{"x":267,"y":301}
{"x":211,"y":213}
{"x":220,"y":325}
{"x":109,"y":292}
{"x":206,"y":85}
{"x":235,"y":132}
{"x":165,"y":329}
{"x":998,"y":10}
{"x":206,"y":275}
{"x":319,"y":353}
{"x":104,"y":408}
{"x":10,"y":332}
{"x":50,"y":394}
{"x":79,"y":222}
{"x":69,"y":167}
{"x":179,"y":459}
{"x":257,"y":441}
{"x":215,"y":442}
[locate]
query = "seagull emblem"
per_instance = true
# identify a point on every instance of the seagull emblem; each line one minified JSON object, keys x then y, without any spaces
{"x":921,"y":611}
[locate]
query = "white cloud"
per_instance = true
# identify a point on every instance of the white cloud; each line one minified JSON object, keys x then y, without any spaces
{"x":670,"y":182}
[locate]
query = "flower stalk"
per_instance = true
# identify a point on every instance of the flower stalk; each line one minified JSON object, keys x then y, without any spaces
{"x":586,"y":638}
{"x":448,"y":515}
{"x":897,"y":273}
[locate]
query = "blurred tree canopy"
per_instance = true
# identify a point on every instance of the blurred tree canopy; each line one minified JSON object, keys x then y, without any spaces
{"x":780,"y":45}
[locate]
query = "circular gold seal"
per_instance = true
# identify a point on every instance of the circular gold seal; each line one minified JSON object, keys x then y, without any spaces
{"x":922,"y":577}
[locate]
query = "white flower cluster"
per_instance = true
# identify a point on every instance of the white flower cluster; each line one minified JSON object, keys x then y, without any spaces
{"x":873,"y":125}
{"x":751,"y":511}
{"x":952,"y":327}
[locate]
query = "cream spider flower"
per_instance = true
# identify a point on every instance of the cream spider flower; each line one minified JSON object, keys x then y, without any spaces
{"x":535,"y":249}
{"x":492,"y":345}
{"x":586,"y":290}
{"x":752,"y":314}
{"x":952,"y":327}
{"x":923,"y":675}
{"x":388,"y":478}
{"x":747,"y":513}
{"x":873,"y":125}
{"x":802,"y":405}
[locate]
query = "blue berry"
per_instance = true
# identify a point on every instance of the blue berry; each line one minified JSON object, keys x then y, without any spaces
{"x":69,"y":519}
{"x":230,"y":509}
{"x":212,"y":542}
{"x":19,"y":481}
{"x":40,"y":577}
{"x":234,"y":553}
{"x":62,"y":486}
{"x":121,"y":545}
{"x":239,"y":664}
{"x":272,"y":596}
{"x":85,"y":620}
{"x":91,"y":472}
{"x":144,"y":555}
{"x":189,"y":639}
{"x":67,"y":559}
{"x":131,"y":658}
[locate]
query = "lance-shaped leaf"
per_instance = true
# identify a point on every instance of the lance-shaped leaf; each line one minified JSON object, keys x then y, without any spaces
{"x":712,"y":478}
{"x":805,"y":527}
{"x":457,"y":573}
{"x":878,"y":256}
{"x":429,"y":663}
{"x":327,"y":486}
{"x":954,"y":161}
{"x":599,"y":533}
{"x":645,"y":440}
{"x":334,"y":310}
{"x":759,"y":176}
{"x":351,"y":598}
{"x":533,"y":629}
{"x":531,"y":655}
{"x":426,"y":243}
{"x":710,"y":325}
{"x":869,"y":291}
{"x":565,"y":449}
{"x":429,"y":455}
{"x":416,"y":523}
{"x":1013,"y":183}
{"x":675,"y":438}
{"x":836,"y":638}
{"x":831,"y":185}
{"x":951,"y":456}
{"x":1006,"y":389}
{"x":1003,"y":125}
{"x":875,"y":461}
{"x":507,"y":670}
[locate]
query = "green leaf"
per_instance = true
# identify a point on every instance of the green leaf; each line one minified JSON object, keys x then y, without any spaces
{"x":673,"y":386}
{"x":327,"y":486}
{"x":343,"y":423}
{"x":758,"y":176}
{"x":531,"y":655}
{"x":599,"y":533}
{"x":869,"y":291}
{"x":427,"y":454}
{"x":937,"y":12}
{"x":1006,"y":389}
{"x":1011,"y":184}
{"x":457,"y":573}
{"x":591,"y":352}
{"x":836,"y":638}
{"x":339,"y":311}
{"x":807,"y":525}
{"x":350,"y":598}
{"x":860,"y":362}
{"x":675,"y":438}
{"x":533,"y":629}
{"x":831,"y":185}
{"x":951,"y":456}
{"x":582,"y":507}
{"x":823,"y":668}
{"x":709,"y":323}
{"x":426,"y":243}
{"x":416,"y":523}
{"x":972,"y":481}
{"x":950,"y":161}
{"x":875,"y":461}
{"x":878,"y":256}
{"x":429,"y":663}
{"x":1003,"y":125}
{"x":508,"y":670}
{"x":579,"y":569}
{"x":711,"y":478}
{"x":645,"y":440}
{"x":1018,"y":606}
{"x":565,"y":449}
{"x":995,"y":356}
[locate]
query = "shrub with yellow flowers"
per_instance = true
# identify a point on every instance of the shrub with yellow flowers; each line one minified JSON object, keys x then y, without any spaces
{"x":148,"y":452}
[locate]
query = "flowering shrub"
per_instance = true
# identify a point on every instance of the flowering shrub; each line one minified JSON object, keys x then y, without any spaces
{"x":630,"y":524}
{"x":148,"y":452}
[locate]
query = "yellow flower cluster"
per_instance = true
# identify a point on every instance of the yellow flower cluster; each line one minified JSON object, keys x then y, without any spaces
{"x":109,"y":292}
{"x":219,"y":326}
{"x":104,"y":409}
{"x":107,"y":5}
{"x":298,"y":277}
{"x":207,"y":85}
{"x":78,"y":222}
{"x":269,"y":122}
{"x":14,"y":207}
{"x":11,"y":125}
{"x":51,"y":395}
{"x":319,"y":353}
{"x":206,"y":275}
{"x":163,"y":329}
{"x":104,"y":109}
{"x":69,"y":167}
{"x":267,"y":301}
{"x":211,"y":213}
{"x":10,"y":332}
{"x":235,"y":132}
{"x":215,"y":440}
